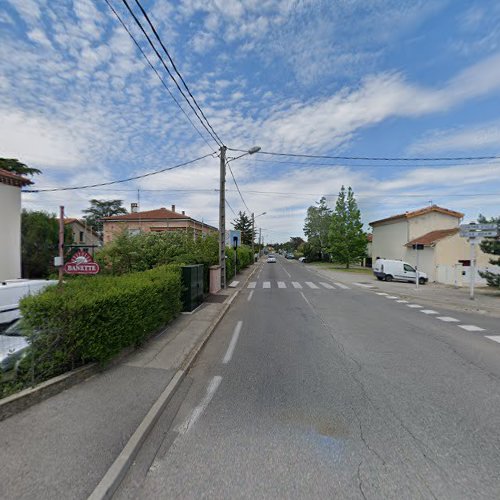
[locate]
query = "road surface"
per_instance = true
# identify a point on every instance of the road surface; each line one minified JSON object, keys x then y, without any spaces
{"x":314,"y":389}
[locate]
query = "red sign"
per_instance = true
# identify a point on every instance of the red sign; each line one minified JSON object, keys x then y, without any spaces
{"x":81,"y":263}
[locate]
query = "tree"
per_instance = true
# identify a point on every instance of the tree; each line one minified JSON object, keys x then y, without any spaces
{"x":16,"y":167}
{"x":316,"y":228}
{"x":491,"y":246}
{"x":347,"y":241}
{"x":243,"y":223}
{"x":39,"y":243}
{"x":102,"y":208}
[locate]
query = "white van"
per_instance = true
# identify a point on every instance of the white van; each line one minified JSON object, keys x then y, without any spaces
{"x":12,"y":291}
{"x":398,"y":270}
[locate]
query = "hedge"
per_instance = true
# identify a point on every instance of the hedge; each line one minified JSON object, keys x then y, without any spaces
{"x":245,"y":258}
{"x":94,"y":318}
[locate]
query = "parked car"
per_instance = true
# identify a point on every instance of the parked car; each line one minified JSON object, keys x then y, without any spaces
{"x":13,"y":346}
{"x":302,"y":259}
{"x":397,"y":270}
{"x":289,"y":255}
{"x":271,"y":258}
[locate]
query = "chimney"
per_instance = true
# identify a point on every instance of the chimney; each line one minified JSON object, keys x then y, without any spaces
{"x":133,"y":208}
{"x":183,"y":213}
{"x":173,"y":208}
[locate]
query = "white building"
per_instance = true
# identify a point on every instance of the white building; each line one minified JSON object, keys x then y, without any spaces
{"x":445,"y":256}
{"x":10,"y":224}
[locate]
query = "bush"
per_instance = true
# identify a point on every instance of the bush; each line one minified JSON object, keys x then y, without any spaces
{"x":245,"y":258}
{"x":94,"y":318}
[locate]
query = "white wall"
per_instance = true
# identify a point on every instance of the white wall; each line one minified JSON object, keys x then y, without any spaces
{"x":10,"y":232}
{"x":389,"y":240}
{"x":432,"y":221}
{"x":426,"y":260}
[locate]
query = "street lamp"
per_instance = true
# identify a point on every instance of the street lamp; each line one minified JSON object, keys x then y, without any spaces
{"x":253,"y":231}
{"x":222,"y":209}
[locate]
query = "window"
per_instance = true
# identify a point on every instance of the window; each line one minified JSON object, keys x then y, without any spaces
{"x":81,"y":236}
{"x":409,"y":268}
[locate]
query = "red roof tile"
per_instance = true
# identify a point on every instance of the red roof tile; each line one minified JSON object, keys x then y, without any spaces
{"x":429,"y":239}
{"x":13,"y":179}
{"x":416,"y":213}
{"x":158,"y":214}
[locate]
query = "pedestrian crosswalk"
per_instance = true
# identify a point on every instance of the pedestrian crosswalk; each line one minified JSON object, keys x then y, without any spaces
{"x":295,"y":285}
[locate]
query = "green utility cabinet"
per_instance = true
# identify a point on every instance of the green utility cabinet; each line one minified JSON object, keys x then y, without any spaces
{"x":192,"y":282}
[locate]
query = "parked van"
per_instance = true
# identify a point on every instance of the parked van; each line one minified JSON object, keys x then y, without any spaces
{"x":397,"y":270}
{"x":12,"y":291}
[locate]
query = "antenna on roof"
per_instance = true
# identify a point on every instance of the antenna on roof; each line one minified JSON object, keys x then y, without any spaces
{"x":430,"y":203}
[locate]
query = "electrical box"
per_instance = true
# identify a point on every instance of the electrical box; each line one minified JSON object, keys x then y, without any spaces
{"x":58,"y":261}
{"x":192,"y":283}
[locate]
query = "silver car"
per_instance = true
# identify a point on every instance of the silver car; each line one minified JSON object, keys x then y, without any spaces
{"x":13,"y":345}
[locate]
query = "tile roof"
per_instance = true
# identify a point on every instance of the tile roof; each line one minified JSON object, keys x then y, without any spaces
{"x":416,"y":213}
{"x":157,"y":214}
{"x":13,"y":179}
{"x":429,"y":239}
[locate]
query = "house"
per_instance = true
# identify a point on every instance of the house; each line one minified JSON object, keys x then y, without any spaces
{"x":158,"y":220}
{"x":10,"y":224}
{"x":83,"y":235}
{"x":445,"y":256}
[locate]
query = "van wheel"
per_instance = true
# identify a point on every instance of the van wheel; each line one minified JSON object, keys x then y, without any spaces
{"x":421,"y":281}
{"x":388,"y":277}
{"x":379,"y":278}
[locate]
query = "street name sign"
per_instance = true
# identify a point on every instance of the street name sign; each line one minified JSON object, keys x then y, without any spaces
{"x":478,"y":234}
{"x":479,"y":227}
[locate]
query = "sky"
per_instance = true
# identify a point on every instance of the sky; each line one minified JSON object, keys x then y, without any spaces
{"x":384,"y":78}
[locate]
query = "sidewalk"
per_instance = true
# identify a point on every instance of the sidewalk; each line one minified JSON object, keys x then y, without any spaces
{"x":63,"y":446}
{"x":487,"y":300}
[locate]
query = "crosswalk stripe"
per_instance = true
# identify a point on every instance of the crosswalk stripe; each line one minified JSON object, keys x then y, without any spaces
{"x":233,"y":284}
{"x":296,"y":284}
{"x":471,"y":328}
{"x":327,"y":285}
{"x":281,"y":284}
{"x":252,"y":284}
{"x":310,"y":284}
{"x":364,"y":285}
{"x":341,"y":285}
{"x":266,"y":284}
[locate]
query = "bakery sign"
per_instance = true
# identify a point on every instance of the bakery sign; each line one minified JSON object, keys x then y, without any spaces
{"x":81,"y":263}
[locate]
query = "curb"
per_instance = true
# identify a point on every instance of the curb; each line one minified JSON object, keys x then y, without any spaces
{"x":115,"y":474}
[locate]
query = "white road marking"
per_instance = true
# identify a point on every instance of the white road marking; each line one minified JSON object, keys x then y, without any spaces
{"x":310,"y":284}
{"x":495,"y":338}
{"x":381,"y":293}
{"x":402,"y":301}
{"x":233,"y":284}
{"x":305,"y":298}
{"x":447,"y":319}
{"x":250,"y":295}
{"x":327,"y":285}
{"x":428,"y":311}
{"x":364,"y":285}
{"x":289,"y":275}
{"x":232,"y":344}
{"x":391,"y":297}
{"x":296,"y":284}
{"x":414,"y":306}
{"x":471,"y":328}
{"x":281,"y":284}
{"x":341,"y":285}
{"x":266,"y":284}
{"x":252,"y":284}
{"x":198,"y":411}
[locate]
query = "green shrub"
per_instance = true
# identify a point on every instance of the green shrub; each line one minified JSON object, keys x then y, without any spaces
{"x":94,"y":318}
{"x":245,"y":258}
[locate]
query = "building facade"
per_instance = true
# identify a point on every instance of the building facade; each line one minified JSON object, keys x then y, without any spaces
{"x":83,"y":235}
{"x":158,"y":220}
{"x":10,"y":224}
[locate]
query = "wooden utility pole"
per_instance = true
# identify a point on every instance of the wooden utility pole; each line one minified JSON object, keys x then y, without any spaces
{"x":61,"y":244}
{"x":222,"y":217}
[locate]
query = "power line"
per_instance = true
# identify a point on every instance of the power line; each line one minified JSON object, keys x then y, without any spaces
{"x":175,"y":68}
{"x":238,"y":188}
{"x":169,"y":72}
{"x":373,"y":158}
{"x":231,"y":208}
{"x":156,"y":71}
{"x":121,"y":180}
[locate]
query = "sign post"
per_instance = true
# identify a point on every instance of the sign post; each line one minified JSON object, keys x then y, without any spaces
{"x":417,"y":247}
{"x":472,"y":266}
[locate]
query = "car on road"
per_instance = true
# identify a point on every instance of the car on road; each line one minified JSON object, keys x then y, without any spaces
{"x":289,"y":256}
{"x":271,"y":259}
{"x":302,"y":259}
{"x":397,"y":270}
{"x":13,"y":346}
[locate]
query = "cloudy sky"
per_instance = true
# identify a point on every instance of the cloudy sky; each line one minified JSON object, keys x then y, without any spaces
{"x":378,"y":78}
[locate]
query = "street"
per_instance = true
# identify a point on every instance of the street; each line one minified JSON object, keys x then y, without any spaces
{"x":311,"y":388}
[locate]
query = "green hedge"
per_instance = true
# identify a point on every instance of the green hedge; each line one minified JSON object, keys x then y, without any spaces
{"x":245,"y":258}
{"x":94,"y":318}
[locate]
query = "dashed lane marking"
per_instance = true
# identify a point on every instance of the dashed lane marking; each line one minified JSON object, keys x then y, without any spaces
{"x":364,"y":285}
{"x":391,"y":297}
{"x":414,"y":306}
{"x":252,"y":284}
{"x":310,"y":284}
{"x":232,"y":344}
{"x":327,"y":285}
{"x":402,"y":301}
{"x":266,"y":284}
{"x":281,"y":284}
{"x":381,"y":293}
{"x":447,"y":319}
{"x":495,"y":338}
{"x":429,"y":311}
{"x":341,"y":285}
{"x":471,"y":328}
{"x":296,"y":284}
{"x":250,"y":295}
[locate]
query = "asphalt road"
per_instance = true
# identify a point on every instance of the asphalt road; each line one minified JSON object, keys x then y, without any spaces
{"x":315,"y":390}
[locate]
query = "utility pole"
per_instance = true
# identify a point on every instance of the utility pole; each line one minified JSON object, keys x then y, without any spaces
{"x":472,"y":242}
{"x":222,"y":217}
{"x":61,"y":244}
{"x":260,"y":236}
{"x":253,"y":236}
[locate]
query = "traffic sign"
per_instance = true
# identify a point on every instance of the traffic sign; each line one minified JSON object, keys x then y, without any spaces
{"x":478,"y":234}
{"x":479,"y":227}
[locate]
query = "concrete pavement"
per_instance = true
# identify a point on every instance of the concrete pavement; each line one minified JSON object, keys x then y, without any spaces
{"x":310,"y":392}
